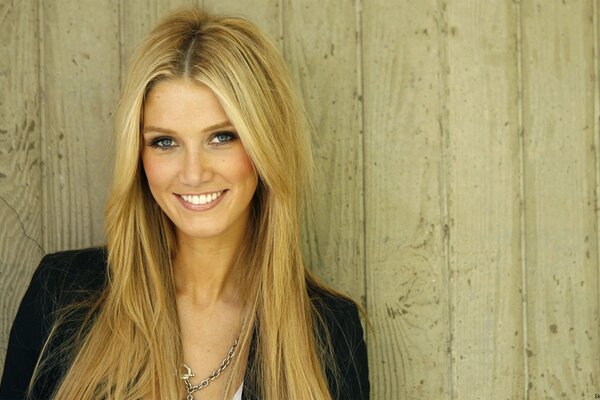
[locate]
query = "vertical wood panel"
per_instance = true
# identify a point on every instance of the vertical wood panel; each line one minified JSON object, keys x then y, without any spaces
{"x":483,"y":200}
{"x":561,"y":227}
{"x":596,"y":77}
{"x":405,"y":251}
{"x":440,"y":148}
{"x":80,"y":81}
{"x":20,"y":171}
{"x":321,"y":48}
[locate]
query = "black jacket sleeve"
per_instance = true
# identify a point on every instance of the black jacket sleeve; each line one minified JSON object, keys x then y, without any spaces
{"x":352,"y":351}
{"x":349,"y":351}
{"x":348,"y":378}
{"x":61,"y":279}
{"x":28,"y":333}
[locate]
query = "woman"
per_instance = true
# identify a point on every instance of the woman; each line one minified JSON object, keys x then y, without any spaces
{"x":202,"y":273}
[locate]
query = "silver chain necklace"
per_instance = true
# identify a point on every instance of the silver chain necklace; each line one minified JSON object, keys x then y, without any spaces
{"x":214,"y":375}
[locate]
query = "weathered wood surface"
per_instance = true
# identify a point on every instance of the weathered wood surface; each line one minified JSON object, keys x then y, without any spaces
{"x":406,"y":275}
{"x":79,"y":77}
{"x":482,"y":173}
{"x":458,"y":174}
{"x":20,"y":157}
{"x":596,"y":133}
{"x":335,"y":234}
{"x":561,"y":225}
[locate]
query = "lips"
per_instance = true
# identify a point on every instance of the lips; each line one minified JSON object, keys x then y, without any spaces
{"x":201,"y":201}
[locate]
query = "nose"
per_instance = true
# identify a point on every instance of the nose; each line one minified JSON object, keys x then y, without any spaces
{"x":195,"y":169}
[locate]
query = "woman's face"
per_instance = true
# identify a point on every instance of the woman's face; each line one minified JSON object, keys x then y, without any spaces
{"x":197,"y":168}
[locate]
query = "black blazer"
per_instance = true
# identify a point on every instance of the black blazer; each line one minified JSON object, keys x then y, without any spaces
{"x":67,"y":277}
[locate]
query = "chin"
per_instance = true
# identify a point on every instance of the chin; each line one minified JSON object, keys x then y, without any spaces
{"x":200,"y":233}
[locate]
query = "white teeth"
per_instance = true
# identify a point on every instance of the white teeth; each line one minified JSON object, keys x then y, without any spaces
{"x":201,"y":199}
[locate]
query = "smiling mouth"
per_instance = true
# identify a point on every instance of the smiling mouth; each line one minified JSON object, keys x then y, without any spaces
{"x":201,"y":198}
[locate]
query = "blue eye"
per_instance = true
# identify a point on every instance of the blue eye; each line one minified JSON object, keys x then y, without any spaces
{"x":162,"y":143}
{"x":223,"y":138}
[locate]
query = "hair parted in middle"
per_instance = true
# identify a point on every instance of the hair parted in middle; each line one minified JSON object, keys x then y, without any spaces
{"x":136,"y":316}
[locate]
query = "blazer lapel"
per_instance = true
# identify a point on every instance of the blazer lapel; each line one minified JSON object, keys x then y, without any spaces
{"x":250,"y":391}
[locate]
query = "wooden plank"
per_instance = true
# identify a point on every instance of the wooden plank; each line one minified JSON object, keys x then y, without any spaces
{"x":596,"y":77}
{"x":404,"y":192}
{"x":483,"y":172}
{"x":137,"y":20}
{"x":80,"y":81}
{"x":20,"y":156}
{"x":560,"y":178}
{"x":321,"y":50}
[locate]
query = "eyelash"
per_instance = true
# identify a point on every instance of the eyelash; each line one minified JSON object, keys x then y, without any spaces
{"x":156,"y":142}
{"x":231,"y":136}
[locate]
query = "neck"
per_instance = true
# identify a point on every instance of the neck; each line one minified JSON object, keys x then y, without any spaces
{"x":204,"y":270}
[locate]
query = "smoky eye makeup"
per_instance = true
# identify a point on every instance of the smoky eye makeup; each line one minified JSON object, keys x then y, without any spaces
{"x":223,"y":137}
{"x":161,"y":142}
{"x":217,"y":138}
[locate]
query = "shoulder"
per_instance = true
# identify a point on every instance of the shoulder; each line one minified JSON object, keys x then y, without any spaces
{"x":72,"y":270}
{"x":338,"y":323}
{"x":75,"y":262}
{"x":61,"y":279}
{"x":65,"y":278}
{"x":340,"y":313}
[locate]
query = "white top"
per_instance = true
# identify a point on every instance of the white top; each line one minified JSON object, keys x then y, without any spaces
{"x":238,"y":394}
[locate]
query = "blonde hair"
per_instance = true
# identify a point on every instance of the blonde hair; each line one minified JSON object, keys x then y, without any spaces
{"x":132,"y":346}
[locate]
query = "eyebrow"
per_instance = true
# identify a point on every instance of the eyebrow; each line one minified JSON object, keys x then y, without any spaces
{"x":220,"y":125}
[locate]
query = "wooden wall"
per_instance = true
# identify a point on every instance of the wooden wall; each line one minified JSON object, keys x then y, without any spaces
{"x":457,"y":147}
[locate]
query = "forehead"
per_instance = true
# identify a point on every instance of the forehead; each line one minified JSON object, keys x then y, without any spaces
{"x":179,"y":102}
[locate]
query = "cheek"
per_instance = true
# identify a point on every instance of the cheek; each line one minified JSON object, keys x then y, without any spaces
{"x":157,"y":172}
{"x":244,"y":169}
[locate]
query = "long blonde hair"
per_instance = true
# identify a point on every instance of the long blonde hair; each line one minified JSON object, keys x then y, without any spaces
{"x":132,"y":346}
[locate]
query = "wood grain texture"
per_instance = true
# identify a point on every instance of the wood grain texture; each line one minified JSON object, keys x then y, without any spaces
{"x":80,"y":79}
{"x":427,"y":195}
{"x":596,"y":77}
{"x":324,"y":65}
{"x":483,"y":175}
{"x":20,"y":158}
{"x":560,"y":178}
{"x":137,"y":18}
{"x":406,"y":264}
